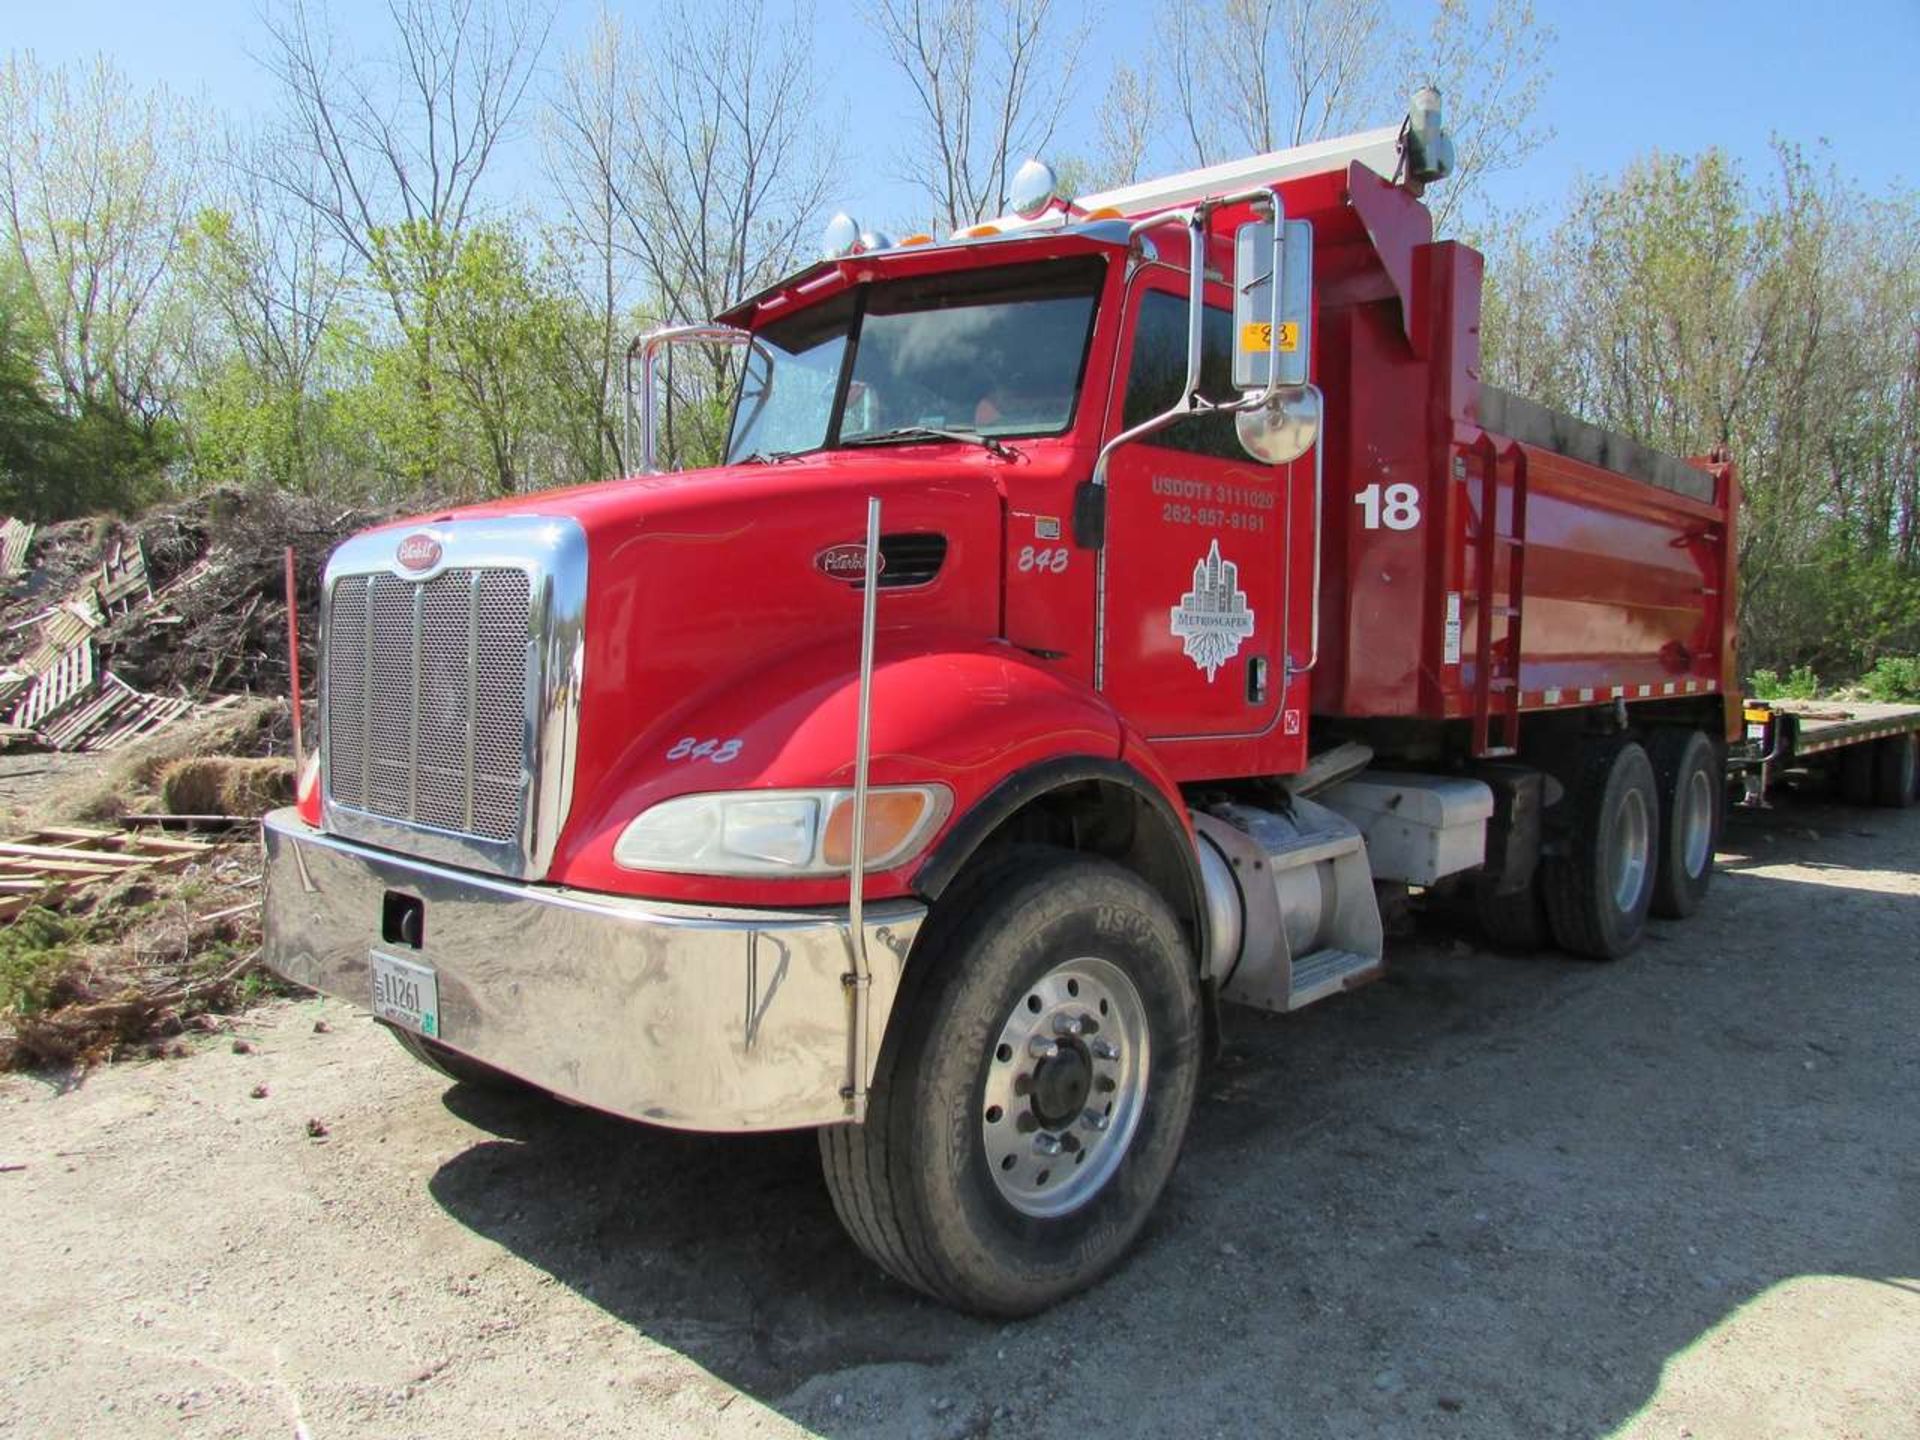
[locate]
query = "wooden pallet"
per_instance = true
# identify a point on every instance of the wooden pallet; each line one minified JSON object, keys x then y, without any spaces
{"x":41,"y":868}
{"x":16,"y":538}
{"x":66,"y":682}
{"x":122,"y":576}
{"x":60,"y":629}
{"x":116,"y":714}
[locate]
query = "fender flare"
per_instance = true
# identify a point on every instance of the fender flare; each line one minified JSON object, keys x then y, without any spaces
{"x":1014,"y":793}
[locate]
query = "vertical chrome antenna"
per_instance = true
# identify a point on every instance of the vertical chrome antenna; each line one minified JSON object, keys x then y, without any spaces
{"x":861,"y":979}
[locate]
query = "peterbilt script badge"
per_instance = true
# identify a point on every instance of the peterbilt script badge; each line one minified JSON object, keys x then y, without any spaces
{"x":418,"y":552}
{"x":847,"y":562}
{"x":1212,"y":619}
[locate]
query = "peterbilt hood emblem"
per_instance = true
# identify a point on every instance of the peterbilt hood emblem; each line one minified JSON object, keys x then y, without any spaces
{"x":847,"y":562}
{"x":418,"y":552}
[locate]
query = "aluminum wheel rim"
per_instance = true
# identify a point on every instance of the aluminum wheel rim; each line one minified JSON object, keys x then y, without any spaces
{"x":1696,"y":818}
{"x":1631,"y":836}
{"x":1083,"y":1021}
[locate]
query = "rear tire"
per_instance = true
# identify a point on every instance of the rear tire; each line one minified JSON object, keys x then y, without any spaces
{"x":1896,"y":760}
{"x":1598,"y":891}
{"x":966,"y":1181}
{"x":452,"y":1064}
{"x":1686,"y":767}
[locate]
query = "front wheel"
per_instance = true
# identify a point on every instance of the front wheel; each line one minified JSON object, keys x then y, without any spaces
{"x":1032,"y":1097}
{"x":459,"y":1068}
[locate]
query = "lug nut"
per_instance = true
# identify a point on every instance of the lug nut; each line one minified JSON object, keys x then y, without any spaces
{"x":1093,"y":1120}
{"x":1041,"y":1048}
{"x":1045,"y":1144}
{"x":1025,"y":1123}
{"x":1107,"y":1084}
{"x":1105,"y":1050}
{"x":1068,"y":1024}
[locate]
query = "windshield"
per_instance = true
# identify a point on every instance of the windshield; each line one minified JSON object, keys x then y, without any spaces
{"x":997,"y":352}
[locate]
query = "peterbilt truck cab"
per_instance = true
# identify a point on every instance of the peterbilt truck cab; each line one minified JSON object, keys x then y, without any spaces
{"x":929,"y":770}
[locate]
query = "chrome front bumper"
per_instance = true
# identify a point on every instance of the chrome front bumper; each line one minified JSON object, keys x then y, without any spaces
{"x":695,"y":1017}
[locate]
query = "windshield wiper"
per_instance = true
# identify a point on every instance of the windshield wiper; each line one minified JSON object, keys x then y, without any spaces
{"x":768,"y":457}
{"x":931,"y":432}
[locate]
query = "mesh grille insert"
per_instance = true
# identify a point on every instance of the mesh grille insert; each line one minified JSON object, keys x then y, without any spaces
{"x":427,"y":699}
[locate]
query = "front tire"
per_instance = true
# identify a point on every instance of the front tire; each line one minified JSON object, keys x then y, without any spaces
{"x":1033,"y":1094}
{"x":451,"y":1063}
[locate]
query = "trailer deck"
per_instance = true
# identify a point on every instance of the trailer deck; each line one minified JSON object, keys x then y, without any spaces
{"x":1814,"y":726}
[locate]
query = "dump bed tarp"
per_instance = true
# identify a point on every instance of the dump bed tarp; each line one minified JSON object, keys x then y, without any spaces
{"x":1534,"y":424}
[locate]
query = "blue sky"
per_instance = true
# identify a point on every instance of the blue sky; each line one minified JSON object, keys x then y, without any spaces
{"x":1629,"y":76}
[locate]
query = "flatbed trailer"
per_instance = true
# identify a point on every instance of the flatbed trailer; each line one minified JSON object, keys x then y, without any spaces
{"x":1869,"y":750}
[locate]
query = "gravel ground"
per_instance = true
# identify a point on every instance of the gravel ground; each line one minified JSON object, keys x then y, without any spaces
{"x":1487,"y":1197}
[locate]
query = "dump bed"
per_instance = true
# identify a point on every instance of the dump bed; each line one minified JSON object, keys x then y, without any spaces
{"x":1483,"y":555}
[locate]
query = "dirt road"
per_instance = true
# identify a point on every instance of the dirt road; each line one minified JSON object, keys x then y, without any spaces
{"x":1487,"y":1197}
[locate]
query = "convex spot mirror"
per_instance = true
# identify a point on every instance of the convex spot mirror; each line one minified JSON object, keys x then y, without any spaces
{"x":1272,"y":337}
{"x":1283,"y":429}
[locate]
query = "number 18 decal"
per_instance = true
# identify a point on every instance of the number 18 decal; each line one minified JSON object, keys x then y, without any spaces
{"x":1397,"y":506}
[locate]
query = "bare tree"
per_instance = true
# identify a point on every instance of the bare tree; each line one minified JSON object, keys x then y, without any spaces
{"x":728,"y":157}
{"x":693,"y":170}
{"x":991,"y":78}
{"x":1249,"y":76}
{"x":1490,"y":64}
{"x":1128,"y":118}
{"x":98,"y":180}
{"x":399,"y":149}
{"x":586,"y":137}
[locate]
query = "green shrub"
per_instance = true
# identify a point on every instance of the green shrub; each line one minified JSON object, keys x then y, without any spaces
{"x":37,"y":952}
{"x":1801,"y":684}
{"x":1893,"y":678}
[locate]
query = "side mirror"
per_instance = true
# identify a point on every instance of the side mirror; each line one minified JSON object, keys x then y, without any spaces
{"x":1273,"y":338}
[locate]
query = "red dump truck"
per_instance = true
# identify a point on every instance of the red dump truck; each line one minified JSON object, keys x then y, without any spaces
{"x":1096,"y":614}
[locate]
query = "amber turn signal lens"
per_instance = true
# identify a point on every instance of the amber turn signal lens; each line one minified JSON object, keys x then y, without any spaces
{"x":895,"y":818}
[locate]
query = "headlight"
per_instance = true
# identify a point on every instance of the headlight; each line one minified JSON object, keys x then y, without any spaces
{"x":780,"y":832}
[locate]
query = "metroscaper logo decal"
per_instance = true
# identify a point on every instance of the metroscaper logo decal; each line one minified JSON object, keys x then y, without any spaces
{"x":1213,"y":619}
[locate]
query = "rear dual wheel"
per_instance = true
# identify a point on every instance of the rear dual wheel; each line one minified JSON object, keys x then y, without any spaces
{"x":1692,"y":785}
{"x":1034,"y":1091}
{"x":1600,"y":883}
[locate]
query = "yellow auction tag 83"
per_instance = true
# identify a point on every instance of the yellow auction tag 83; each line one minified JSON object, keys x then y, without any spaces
{"x":1257,"y":337}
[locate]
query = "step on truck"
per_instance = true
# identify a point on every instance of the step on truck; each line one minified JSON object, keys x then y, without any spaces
{"x":1097,"y":615}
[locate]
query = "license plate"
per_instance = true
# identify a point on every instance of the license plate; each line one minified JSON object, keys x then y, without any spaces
{"x":406,"y":992}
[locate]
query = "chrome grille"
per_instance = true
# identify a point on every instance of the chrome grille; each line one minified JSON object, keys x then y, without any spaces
{"x":428,"y":699}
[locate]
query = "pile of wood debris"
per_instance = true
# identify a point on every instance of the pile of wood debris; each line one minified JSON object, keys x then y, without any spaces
{"x":163,"y":639}
{"x":120,"y":629}
{"x":119,"y":941}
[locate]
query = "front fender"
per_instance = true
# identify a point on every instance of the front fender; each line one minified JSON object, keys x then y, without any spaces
{"x":960,"y":712}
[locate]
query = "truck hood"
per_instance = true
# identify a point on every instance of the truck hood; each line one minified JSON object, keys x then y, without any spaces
{"x":708,"y":582}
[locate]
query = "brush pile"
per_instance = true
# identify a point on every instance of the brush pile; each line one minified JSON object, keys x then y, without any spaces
{"x":129,"y":910}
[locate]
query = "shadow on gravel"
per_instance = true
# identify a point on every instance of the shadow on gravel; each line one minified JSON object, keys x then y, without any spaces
{"x":1487,"y":1196}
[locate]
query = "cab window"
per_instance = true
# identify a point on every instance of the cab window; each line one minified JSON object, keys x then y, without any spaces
{"x":1158,"y":369}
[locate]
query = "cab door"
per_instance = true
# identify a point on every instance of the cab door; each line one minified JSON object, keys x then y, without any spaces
{"x":1194,"y":556}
